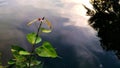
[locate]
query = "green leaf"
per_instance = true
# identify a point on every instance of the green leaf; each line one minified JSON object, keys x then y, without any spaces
{"x":16,"y":53}
{"x":11,"y":62}
{"x":20,"y":58}
{"x":24,"y":53}
{"x":45,"y":30}
{"x":15,"y":49}
{"x":35,"y":62}
{"x":31,"y":37}
{"x":20,"y":64}
{"x":46,"y":50}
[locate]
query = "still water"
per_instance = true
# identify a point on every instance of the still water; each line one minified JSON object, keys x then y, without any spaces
{"x":74,"y":40}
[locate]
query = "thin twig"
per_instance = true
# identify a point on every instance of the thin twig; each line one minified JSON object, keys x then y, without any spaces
{"x":33,"y":46}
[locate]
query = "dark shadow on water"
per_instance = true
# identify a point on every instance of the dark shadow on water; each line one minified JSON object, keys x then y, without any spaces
{"x":107,"y":22}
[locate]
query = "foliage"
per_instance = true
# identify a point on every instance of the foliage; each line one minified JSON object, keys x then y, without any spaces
{"x":31,"y":37}
{"x":106,"y":20}
{"x":46,"y":50}
{"x":25,"y":59}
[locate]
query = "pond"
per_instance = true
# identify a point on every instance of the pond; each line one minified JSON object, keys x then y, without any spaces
{"x":74,"y":40}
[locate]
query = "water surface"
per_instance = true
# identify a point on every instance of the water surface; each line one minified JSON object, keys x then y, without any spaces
{"x":74,"y":40}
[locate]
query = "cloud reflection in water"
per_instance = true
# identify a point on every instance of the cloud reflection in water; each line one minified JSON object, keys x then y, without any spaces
{"x":74,"y":39}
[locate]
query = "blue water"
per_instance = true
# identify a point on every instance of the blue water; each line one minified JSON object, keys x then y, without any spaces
{"x":74,"y":40}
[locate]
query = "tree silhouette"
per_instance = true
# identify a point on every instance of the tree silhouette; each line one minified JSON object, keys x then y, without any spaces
{"x":106,"y":20}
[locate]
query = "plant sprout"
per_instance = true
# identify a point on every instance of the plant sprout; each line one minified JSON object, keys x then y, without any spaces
{"x":27,"y":59}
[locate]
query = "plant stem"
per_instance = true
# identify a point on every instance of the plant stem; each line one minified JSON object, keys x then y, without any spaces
{"x":33,"y":46}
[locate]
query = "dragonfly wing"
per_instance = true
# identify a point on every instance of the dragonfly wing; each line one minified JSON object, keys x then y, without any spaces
{"x":31,"y":22}
{"x":48,"y":23}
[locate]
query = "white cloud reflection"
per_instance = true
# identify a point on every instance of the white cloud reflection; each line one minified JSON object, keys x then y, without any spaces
{"x":74,"y":10}
{"x":71,"y":9}
{"x":45,"y":4}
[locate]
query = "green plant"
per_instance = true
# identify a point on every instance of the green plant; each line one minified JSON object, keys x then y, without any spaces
{"x":25,"y":59}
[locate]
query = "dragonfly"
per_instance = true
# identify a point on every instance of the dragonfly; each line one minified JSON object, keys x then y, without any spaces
{"x":42,"y":20}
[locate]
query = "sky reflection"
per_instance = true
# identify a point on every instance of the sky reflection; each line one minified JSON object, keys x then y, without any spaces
{"x":74,"y":39}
